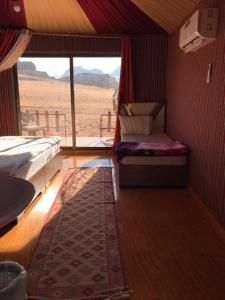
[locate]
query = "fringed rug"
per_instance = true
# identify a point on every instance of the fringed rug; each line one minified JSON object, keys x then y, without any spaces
{"x":78,"y":255}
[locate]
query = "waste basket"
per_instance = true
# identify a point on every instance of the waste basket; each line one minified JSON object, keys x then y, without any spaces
{"x":12,"y":281}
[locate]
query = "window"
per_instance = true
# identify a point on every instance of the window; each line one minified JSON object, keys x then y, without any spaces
{"x":83,"y":116}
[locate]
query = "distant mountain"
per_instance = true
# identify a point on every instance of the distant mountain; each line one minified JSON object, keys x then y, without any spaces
{"x":100,"y":80}
{"x":27,"y":70}
{"x":116,"y":73}
{"x":94,"y":77}
{"x":81,"y":70}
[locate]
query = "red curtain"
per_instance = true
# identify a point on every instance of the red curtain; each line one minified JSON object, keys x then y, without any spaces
{"x":12,"y":45}
{"x":126,"y":85}
{"x":8,"y":38}
{"x":10,"y":22}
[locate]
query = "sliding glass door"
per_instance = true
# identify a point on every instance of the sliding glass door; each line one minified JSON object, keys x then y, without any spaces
{"x":74,"y":98}
{"x":96,"y":82}
{"x":45,"y":101}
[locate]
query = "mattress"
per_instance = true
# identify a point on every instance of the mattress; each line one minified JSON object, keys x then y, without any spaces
{"x":25,"y":155}
{"x":34,"y":165}
{"x":173,"y":160}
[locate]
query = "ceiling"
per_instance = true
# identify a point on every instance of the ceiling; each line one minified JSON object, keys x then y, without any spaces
{"x":57,"y":16}
{"x":91,"y":17}
{"x":169,"y":14}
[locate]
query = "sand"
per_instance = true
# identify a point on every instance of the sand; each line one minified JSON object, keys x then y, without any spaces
{"x":54,"y":95}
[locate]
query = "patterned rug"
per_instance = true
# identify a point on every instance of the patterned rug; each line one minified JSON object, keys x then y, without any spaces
{"x":78,"y":255}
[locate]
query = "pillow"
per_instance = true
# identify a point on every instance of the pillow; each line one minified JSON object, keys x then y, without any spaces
{"x":141,"y":108}
{"x":135,"y":125}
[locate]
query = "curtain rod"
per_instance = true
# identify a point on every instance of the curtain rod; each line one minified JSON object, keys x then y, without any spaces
{"x":82,"y":35}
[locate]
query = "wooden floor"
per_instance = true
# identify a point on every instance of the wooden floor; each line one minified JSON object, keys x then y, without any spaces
{"x":172,"y":248}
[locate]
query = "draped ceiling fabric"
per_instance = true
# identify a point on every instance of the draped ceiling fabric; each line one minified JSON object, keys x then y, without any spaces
{"x":126,"y":85}
{"x":88,"y":17}
{"x":118,"y":17}
{"x":12,"y":45}
{"x":57,"y":16}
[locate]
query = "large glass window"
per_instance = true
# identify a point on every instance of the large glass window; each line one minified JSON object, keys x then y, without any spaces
{"x":46,"y":105}
{"x":96,"y":85}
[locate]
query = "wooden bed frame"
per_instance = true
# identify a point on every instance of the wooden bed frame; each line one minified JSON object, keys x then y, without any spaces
{"x":152,"y":175}
{"x":42,"y":178}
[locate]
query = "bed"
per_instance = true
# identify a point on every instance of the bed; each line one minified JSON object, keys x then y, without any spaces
{"x":150,"y":170}
{"x":32,"y":158}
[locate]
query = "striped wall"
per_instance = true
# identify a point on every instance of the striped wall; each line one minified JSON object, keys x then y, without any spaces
{"x":150,"y":58}
{"x":196,"y":113}
{"x":74,"y":46}
{"x":7,"y":104}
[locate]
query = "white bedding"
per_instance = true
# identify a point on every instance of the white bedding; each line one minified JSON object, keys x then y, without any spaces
{"x":162,"y":138}
{"x":16,"y":151}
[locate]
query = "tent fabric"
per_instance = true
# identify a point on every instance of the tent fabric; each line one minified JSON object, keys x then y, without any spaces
{"x":12,"y":46}
{"x":7,"y":41}
{"x":8,"y":122}
{"x":118,"y":17}
{"x":10,"y":39}
{"x":126,"y":84}
{"x":10,"y":18}
{"x":84,"y":16}
{"x":13,"y":41}
{"x":88,"y":17}
{"x":57,"y":16}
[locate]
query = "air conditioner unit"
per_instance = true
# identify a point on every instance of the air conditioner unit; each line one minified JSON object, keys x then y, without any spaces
{"x":199,"y":30}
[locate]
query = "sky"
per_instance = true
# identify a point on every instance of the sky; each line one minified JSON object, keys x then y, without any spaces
{"x":57,"y":66}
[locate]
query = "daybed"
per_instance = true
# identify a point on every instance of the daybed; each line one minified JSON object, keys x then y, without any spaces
{"x":32,"y":158}
{"x":163,"y":170}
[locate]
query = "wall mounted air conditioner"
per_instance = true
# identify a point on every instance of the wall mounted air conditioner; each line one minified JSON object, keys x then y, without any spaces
{"x":199,"y":30}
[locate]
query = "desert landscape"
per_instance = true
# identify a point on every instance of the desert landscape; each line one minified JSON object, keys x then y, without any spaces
{"x":51,"y":95}
{"x":45,"y":102}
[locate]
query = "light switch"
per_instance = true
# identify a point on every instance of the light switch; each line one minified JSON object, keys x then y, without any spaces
{"x":209,"y":73}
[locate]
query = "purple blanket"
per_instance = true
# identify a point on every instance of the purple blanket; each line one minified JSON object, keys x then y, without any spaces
{"x":150,"y":149}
